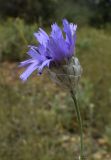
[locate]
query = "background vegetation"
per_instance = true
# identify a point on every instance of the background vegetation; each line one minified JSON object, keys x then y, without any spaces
{"x":37,"y":118}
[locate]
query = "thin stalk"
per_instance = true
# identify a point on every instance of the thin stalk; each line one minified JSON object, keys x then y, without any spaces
{"x":80,"y":123}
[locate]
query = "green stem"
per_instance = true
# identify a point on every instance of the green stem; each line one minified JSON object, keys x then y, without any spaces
{"x":80,"y":123}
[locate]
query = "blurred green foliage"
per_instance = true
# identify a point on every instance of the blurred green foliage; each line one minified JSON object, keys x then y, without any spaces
{"x":101,"y":13}
{"x":94,"y":12}
{"x":29,"y":10}
{"x":15,"y":36}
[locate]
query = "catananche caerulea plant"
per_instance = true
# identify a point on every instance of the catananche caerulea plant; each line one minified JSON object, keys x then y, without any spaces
{"x":56,"y":54}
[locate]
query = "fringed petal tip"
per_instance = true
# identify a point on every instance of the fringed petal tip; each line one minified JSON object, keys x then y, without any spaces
{"x":69,"y":27}
{"x":41,"y":36}
{"x":24,"y":79}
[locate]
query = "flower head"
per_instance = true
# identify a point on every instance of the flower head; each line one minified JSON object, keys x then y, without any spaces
{"x":53,"y":49}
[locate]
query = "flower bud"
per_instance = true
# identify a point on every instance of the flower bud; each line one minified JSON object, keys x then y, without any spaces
{"x":67,"y":75}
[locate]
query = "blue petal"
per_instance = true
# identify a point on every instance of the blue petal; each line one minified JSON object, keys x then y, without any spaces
{"x":67,"y":30}
{"x":38,"y":53}
{"x":44,"y":64}
{"x":28,"y":71}
{"x":54,"y":49}
{"x":70,"y":30}
{"x":64,"y":48}
{"x":25,"y":63}
{"x":33,"y":53}
{"x":72,"y":48}
{"x":57,"y":46}
{"x":42,"y":37}
{"x":73,"y":28}
{"x":42,"y":50}
{"x":56,"y":31}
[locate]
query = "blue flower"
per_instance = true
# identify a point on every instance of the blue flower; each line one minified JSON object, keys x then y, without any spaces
{"x":53,"y":48}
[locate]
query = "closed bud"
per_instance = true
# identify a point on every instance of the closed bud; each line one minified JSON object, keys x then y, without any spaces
{"x":67,"y":75}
